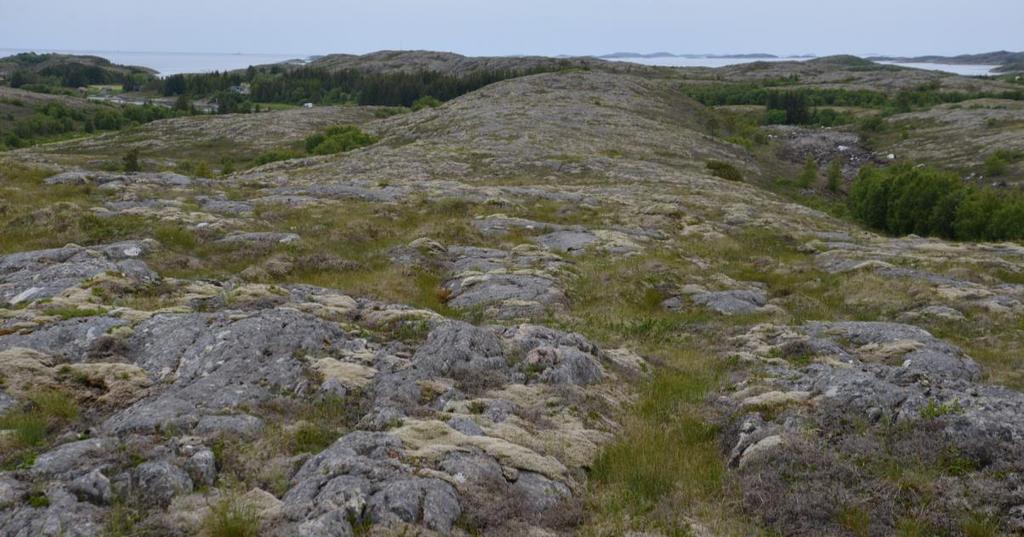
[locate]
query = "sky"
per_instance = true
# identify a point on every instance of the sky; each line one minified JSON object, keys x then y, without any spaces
{"x":502,"y":27}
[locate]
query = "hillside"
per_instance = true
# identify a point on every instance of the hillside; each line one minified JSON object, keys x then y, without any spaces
{"x":577,"y":302}
{"x":66,"y":70}
{"x":846,"y":72}
{"x":411,"y":61}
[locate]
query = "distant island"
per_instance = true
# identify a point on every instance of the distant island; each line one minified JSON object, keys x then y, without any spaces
{"x":749,"y":56}
{"x":1005,"y":61}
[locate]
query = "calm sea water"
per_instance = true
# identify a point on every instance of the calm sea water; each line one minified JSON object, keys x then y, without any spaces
{"x":966,"y":70}
{"x":171,"y":63}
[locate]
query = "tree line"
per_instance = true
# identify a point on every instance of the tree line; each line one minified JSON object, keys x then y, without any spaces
{"x":320,"y":86}
{"x":905,"y":199}
{"x":54,"y":119}
{"x":797,"y":106}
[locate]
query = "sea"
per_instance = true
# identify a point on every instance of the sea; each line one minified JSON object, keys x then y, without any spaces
{"x":172,"y":63}
{"x":672,"y":61}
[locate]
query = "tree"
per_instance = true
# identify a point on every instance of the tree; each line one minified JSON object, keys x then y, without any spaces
{"x":996,"y":165}
{"x":183,"y":103}
{"x":834,"y":175}
{"x":869,"y":197}
{"x":131,"y":161}
{"x":793,"y":103}
{"x":809,"y":174}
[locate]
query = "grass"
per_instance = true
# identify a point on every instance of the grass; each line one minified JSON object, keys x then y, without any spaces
{"x":73,"y":312}
{"x":666,"y":446}
{"x":665,"y":467}
{"x":32,"y":424}
{"x":232,"y":516}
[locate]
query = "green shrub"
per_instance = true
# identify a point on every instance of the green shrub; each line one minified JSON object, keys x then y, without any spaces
{"x":131,"y":161}
{"x":275,"y":156}
{"x":724,"y":170}
{"x":55,"y":405}
{"x":906,"y":199}
{"x":834,"y":175}
{"x":809,"y":174}
{"x":32,"y":422}
{"x":426,"y":101}
{"x":314,"y":140}
{"x":996,"y":165}
{"x":29,"y":427}
{"x":73,"y":312}
{"x":338,"y":140}
{"x":313,"y":438}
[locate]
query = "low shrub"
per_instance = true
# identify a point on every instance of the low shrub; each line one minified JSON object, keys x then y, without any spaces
{"x":338,"y":140}
{"x":724,"y":170}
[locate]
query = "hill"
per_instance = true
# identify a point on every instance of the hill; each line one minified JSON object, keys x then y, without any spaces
{"x":447,"y":63}
{"x":571,"y":302}
{"x":68,"y":71}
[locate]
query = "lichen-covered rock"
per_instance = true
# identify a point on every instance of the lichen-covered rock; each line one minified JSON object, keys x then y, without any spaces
{"x":32,"y":276}
{"x":732,"y":302}
{"x":93,"y":487}
{"x":157,"y":483}
{"x":360,"y":476}
{"x":907,"y":390}
{"x":70,"y":339}
{"x":62,"y":516}
{"x":218,"y":362}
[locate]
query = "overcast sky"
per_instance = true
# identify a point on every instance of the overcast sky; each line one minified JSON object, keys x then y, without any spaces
{"x":496,"y":27}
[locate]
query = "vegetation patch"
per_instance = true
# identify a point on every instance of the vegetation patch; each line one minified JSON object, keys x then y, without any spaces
{"x":906,"y":199}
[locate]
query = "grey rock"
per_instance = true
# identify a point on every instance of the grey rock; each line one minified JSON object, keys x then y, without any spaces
{"x":65,"y":516}
{"x":465,"y":426}
{"x":11,"y":490}
{"x":73,"y":455}
{"x":218,"y":362}
{"x":238,"y":425}
{"x":878,"y":374}
{"x":32,"y":276}
{"x":202,"y":467}
{"x":569,"y":241}
{"x":157,"y":483}
{"x":93,"y":487}
{"x":331,"y":524}
{"x":461,"y":351}
{"x":539,"y":494}
{"x":70,"y":339}
{"x":167,"y":179}
{"x":513,"y":295}
{"x":361,"y":476}
{"x":431,"y":502}
{"x":555,"y":357}
{"x":263,"y":238}
{"x":733,"y":302}
{"x":932,"y":358}
{"x":474,"y":470}
{"x":218,"y":205}
{"x":499,"y":410}
{"x":6,"y":402}
{"x":497,"y":225}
